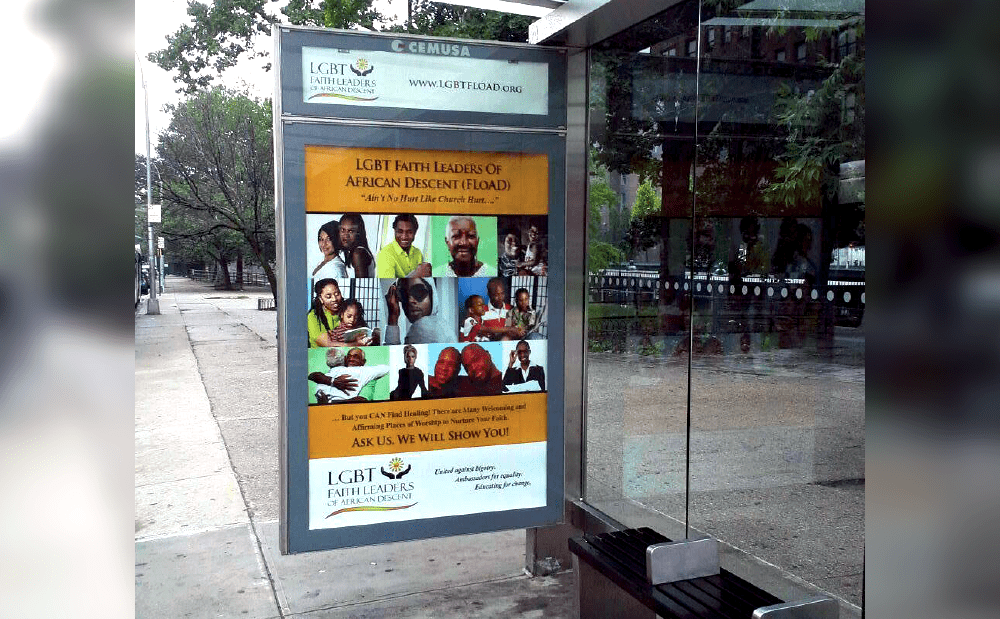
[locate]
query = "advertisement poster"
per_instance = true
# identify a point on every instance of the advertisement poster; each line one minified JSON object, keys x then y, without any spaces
{"x":427,"y":333}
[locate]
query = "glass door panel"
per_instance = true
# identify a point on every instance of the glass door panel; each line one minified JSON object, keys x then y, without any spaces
{"x":726,"y":338}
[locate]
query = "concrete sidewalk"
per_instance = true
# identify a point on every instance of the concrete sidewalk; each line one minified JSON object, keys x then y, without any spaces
{"x":206,"y":494}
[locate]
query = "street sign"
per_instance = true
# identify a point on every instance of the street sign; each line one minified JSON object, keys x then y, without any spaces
{"x":160,"y":242}
{"x":153,"y":213}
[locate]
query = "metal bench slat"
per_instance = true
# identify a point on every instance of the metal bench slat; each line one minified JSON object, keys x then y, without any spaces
{"x":634,"y":568}
{"x":725,"y":605}
{"x":697,"y":607}
{"x":741,"y":605}
{"x":737,"y":586}
{"x":738,"y":591}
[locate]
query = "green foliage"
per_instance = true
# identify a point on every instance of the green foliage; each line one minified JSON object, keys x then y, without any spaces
{"x":600,"y":197}
{"x":649,"y":348}
{"x":601,"y":255}
{"x":221,"y":32}
{"x":825,"y":128}
{"x":646,"y":222}
{"x":626,"y":145}
{"x":216,"y":172}
{"x":447,"y":20}
{"x":344,"y":13}
{"x":647,"y":203}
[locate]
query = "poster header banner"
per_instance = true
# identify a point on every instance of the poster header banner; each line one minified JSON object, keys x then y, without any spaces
{"x":390,"y":180}
{"x":425,"y":76}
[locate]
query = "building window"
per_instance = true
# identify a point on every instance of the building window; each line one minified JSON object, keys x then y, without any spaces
{"x":727,"y":33}
{"x":800,"y":52}
{"x":693,"y":48}
{"x":780,"y":56}
{"x":711,"y":38}
{"x":672,"y":51}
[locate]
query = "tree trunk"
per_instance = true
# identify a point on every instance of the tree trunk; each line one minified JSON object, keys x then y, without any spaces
{"x":258,"y":253}
{"x":239,"y":269}
{"x":227,"y":283}
{"x":272,"y":281}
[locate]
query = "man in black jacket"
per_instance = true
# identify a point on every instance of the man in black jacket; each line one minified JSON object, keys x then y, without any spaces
{"x":526,"y":372}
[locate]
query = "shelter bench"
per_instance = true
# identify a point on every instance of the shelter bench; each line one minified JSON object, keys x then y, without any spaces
{"x":640,"y":573}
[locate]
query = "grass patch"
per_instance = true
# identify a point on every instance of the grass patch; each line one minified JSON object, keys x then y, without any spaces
{"x":614,"y":310}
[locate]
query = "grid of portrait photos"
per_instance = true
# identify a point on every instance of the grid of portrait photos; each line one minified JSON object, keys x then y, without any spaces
{"x":414,"y":306}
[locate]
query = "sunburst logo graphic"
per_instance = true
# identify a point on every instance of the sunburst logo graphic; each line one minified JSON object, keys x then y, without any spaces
{"x":396,"y":469}
{"x":362,"y":67}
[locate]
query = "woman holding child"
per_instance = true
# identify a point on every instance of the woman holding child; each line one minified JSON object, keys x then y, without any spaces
{"x":331,"y":319}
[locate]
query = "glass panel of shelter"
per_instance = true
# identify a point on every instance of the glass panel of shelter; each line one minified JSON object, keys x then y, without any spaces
{"x":725,"y":338}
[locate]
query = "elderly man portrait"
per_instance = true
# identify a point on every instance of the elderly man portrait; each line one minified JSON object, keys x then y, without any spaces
{"x":349,"y":379}
{"x":462,"y":239}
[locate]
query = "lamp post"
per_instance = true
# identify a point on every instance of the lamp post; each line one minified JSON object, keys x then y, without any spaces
{"x":153,"y":305}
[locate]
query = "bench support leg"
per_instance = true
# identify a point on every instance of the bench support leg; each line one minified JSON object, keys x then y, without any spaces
{"x":599,"y":598}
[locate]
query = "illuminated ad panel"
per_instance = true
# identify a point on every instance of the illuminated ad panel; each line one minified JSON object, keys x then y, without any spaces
{"x":416,"y":256}
{"x":420,"y":214}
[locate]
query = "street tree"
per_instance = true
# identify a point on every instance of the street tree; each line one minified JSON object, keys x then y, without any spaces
{"x":221,"y":33}
{"x":217,"y":175}
{"x":600,"y":253}
{"x":646,"y":222}
{"x":448,"y":20}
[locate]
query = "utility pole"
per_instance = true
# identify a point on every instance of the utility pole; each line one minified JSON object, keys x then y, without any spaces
{"x":153,"y":305}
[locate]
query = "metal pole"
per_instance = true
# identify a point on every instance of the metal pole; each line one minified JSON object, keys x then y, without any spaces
{"x":153,"y":305}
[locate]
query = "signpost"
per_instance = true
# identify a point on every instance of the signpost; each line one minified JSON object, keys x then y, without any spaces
{"x":420,"y":188}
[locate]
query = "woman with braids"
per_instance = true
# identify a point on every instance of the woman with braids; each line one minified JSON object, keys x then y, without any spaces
{"x":332,"y":264}
{"x":324,"y":316}
{"x":354,"y":244}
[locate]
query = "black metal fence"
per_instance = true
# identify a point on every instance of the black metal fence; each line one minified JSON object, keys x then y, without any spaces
{"x":214,"y":276}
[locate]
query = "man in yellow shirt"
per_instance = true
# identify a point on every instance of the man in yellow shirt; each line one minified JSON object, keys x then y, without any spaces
{"x":400,"y":258}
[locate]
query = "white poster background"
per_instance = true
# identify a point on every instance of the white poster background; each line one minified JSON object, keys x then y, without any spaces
{"x":447,"y":482}
{"x":424,"y":82}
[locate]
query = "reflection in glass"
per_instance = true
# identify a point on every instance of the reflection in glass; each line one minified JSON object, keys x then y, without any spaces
{"x":727,"y":274}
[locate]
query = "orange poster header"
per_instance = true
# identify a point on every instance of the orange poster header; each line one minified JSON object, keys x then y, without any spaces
{"x":394,"y":180}
{"x":339,"y":430}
